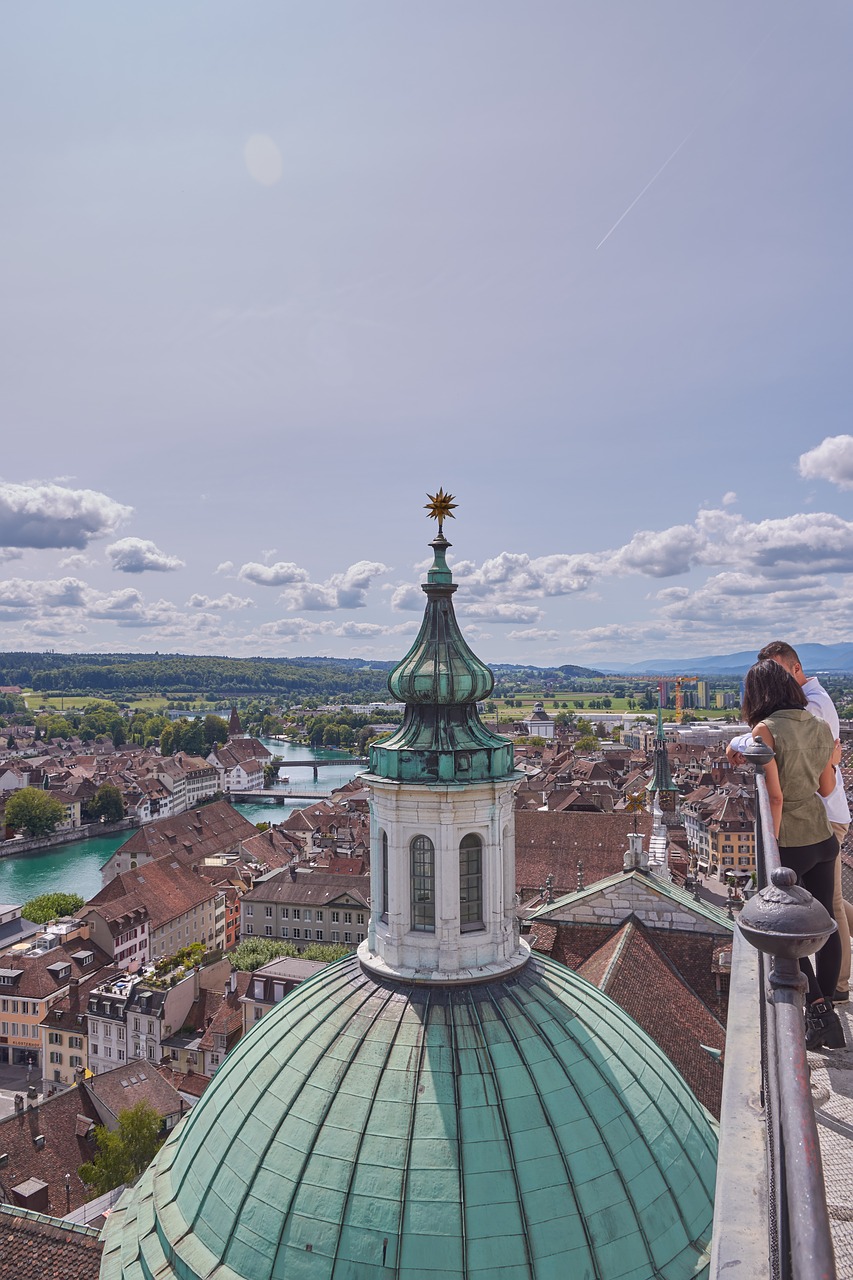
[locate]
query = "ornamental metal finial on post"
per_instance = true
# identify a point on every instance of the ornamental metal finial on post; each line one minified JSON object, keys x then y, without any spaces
{"x":440,"y":508}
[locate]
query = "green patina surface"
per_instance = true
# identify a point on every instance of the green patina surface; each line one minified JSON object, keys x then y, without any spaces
{"x":442,"y":738}
{"x":525,"y":1129}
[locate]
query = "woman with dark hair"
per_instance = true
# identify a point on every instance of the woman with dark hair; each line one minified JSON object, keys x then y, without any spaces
{"x":774,"y":706}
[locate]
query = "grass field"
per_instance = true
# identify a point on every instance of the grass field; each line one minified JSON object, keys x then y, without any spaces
{"x":72,"y":702}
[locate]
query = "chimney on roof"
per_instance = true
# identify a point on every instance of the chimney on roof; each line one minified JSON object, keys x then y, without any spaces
{"x":74,"y":994}
{"x":633,"y":857}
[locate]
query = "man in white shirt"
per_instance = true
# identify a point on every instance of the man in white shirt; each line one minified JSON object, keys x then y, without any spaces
{"x":837,"y":810}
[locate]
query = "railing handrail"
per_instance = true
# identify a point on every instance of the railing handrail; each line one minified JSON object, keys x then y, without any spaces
{"x":799,"y":1236}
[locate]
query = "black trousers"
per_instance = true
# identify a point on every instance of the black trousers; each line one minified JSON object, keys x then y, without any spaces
{"x":815,"y":868}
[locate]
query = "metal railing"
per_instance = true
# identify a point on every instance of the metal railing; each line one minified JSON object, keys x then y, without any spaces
{"x":771,"y":1216}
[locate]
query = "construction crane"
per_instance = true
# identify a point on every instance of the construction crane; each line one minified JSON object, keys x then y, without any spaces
{"x":679,"y":694}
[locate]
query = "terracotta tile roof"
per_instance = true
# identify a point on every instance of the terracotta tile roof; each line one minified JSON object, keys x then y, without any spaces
{"x":240,"y":751}
{"x":165,"y":887}
{"x":191,"y":1082}
{"x":63,"y":1151}
{"x":34,"y":1246}
{"x":37,"y":981}
{"x":208,"y":832}
{"x":69,"y":1013}
{"x":314,"y":888}
{"x":630,"y":969}
{"x":552,"y":843}
{"x":134,"y":1082}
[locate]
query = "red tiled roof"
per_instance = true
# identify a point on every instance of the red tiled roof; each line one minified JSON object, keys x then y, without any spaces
{"x":37,"y":1247}
{"x":631,"y":969}
{"x":63,"y":1151}
{"x":553,"y":843}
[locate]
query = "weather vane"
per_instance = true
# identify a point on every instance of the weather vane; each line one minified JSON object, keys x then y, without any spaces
{"x":440,"y":508}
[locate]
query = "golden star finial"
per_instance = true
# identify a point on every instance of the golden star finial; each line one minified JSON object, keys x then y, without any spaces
{"x":440,"y":508}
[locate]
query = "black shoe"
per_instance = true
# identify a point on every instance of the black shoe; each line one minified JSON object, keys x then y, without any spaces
{"x":841,"y":997}
{"x":823,"y":1027}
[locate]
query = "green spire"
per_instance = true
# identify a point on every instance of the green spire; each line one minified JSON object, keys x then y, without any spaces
{"x":441,"y":680}
{"x":661,"y":780}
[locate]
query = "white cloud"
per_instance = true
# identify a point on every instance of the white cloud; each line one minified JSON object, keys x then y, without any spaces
{"x":502,"y":612}
{"x":53,"y":516}
{"x":534,"y":633}
{"x":347,"y":590}
{"x":268,"y":575}
{"x":226,"y":601}
{"x":407,"y":597}
{"x":730,"y":498}
{"x":78,"y":561}
{"x":226,"y":568}
{"x":139,"y":555}
{"x":831,"y":460}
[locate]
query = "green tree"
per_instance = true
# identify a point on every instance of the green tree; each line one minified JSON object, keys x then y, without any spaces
{"x":192,"y":738}
{"x":125,"y":1152}
{"x":107,"y":803}
{"x":586,"y":743}
{"x":167,"y":741}
{"x":51,"y":906}
{"x":327,"y":951}
{"x":215,"y":730}
{"x":34,"y":811}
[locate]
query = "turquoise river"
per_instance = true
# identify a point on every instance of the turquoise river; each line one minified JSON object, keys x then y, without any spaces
{"x":76,"y":868}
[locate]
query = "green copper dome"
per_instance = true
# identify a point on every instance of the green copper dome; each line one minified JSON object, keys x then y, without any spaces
{"x":442,"y":738}
{"x":524,"y":1129}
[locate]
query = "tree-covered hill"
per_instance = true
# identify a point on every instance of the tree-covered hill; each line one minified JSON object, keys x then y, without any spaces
{"x":174,"y":673}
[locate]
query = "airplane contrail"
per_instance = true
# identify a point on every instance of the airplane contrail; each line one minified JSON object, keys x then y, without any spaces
{"x":650,"y":182}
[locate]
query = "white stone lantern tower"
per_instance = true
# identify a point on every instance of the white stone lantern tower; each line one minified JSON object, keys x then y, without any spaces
{"x":442,"y":815}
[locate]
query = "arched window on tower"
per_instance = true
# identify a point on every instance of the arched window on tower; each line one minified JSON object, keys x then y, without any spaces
{"x":471,"y":882}
{"x":423,"y":884}
{"x":384,"y":875}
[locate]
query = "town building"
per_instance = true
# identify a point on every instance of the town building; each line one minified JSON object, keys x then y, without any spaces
{"x":303,"y":907}
{"x":155,"y":911}
{"x":240,"y":764}
{"x":214,"y":831}
{"x":270,"y":983}
{"x":30,"y":985}
{"x":65,"y":1031}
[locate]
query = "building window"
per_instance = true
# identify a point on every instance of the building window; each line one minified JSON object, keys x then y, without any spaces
{"x":423,"y":884}
{"x":258,"y":1013}
{"x":250,"y":910}
{"x":297,"y":913}
{"x":336,"y":936}
{"x":297,"y":933}
{"x":347,"y":917}
{"x":347,"y":937}
{"x":250,"y":928}
{"x":471,"y":882}
{"x":319,"y":935}
{"x":268,"y":911}
{"x":268,"y":930}
{"x":384,"y":845}
{"x":336,"y":915}
{"x":308,"y":935}
{"x":53,"y":1037}
{"x":319,"y":917}
{"x":285,"y":913}
{"x":306,"y":916}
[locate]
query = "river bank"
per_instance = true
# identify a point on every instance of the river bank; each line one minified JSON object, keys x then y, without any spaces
{"x":74,"y":866}
{"x":89,"y":831}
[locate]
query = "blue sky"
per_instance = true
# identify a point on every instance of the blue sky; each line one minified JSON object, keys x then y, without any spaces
{"x":272,"y":272}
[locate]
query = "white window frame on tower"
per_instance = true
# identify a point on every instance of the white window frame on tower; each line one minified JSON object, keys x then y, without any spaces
{"x":471,"y":883}
{"x":383,"y":838}
{"x":422,"y":851}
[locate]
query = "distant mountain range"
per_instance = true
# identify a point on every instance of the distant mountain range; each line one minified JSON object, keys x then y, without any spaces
{"x":814,"y":657}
